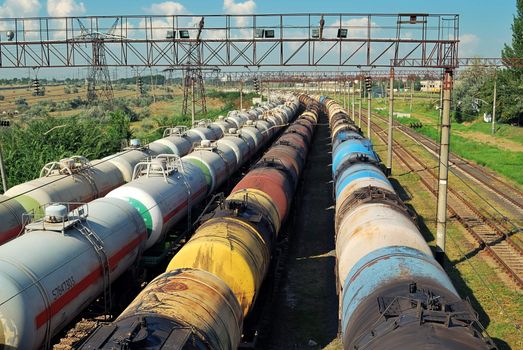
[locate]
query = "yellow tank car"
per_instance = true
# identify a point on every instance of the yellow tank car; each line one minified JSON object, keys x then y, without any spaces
{"x":231,"y":249}
{"x":262,"y":201}
{"x":197,"y":301}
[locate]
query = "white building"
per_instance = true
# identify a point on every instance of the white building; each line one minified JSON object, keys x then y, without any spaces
{"x":431,"y":85}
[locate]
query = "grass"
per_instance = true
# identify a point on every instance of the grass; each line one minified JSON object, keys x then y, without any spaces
{"x":159,"y":114}
{"x":502,"y":153}
{"x":499,"y":305}
{"x":54,"y":93}
{"x":169,"y":113}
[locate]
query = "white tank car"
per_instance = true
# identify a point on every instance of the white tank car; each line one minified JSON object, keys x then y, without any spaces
{"x":12,"y":216}
{"x":238,"y":145}
{"x":67,"y":181}
{"x":126,"y":160}
{"x":212,"y":164}
{"x":164,"y":194}
{"x":65,"y":265}
{"x":177,"y":145}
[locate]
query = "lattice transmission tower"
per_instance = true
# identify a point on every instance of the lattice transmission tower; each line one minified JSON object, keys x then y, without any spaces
{"x":98,"y":82}
{"x":193,"y":84}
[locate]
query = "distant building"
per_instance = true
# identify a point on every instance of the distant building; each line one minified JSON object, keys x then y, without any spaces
{"x":430,"y":85}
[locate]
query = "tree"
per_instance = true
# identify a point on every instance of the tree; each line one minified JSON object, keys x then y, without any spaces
{"x":473,"y":92}
{"x":511,"y":79}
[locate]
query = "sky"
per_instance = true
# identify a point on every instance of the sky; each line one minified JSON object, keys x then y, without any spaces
{"x":485,"y":25}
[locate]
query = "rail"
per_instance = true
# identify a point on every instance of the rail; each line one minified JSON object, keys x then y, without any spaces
{"x":496,"y":243}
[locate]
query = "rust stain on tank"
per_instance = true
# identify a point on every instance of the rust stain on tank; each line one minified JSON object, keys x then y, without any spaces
{"x":173,"y":287}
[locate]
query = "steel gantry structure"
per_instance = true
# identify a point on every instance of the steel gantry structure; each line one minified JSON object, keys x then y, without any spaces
{"x":333,"y":39}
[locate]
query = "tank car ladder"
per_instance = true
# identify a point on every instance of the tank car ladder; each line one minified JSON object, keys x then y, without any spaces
{"x":98,"y":246}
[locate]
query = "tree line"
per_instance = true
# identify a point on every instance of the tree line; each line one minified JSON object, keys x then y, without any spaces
{"x":473,"y":93}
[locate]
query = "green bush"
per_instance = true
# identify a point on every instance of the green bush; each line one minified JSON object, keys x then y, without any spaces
{"x":28,"y":148}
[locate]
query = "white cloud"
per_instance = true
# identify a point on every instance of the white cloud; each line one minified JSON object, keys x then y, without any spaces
{"x":19,"y":8}
{"x":65,"y":8}
{"x":468,"y":45}
{"x":241,"y":8}
{"x":166,"y":8}
{"x":160,"y":26}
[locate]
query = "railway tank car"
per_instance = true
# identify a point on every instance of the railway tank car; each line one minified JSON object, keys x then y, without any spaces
{"x":393,"y":293}
{"x":73,"y":258}
{"x":75,"y":179}
{"x":61,"y":269}
{"x":211,"y":284}
{"x":164,"y":196}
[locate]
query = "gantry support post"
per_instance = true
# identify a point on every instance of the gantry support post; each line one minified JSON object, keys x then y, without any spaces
{"x":359,"y":107}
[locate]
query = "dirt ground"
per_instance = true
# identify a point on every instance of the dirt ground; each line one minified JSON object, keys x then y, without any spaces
{"x":306,"y":308}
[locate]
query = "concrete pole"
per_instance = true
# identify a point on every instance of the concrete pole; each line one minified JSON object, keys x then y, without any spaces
{"x":441,"y":103}
{"x":391,"y":120}
{"x":2,"y":171}
{"x":441,"y":226}
{"x":241,"y":95}
{"x":353,"y":85}
{"x":347,"y":93}
{"x":494,"y":103}
{"x":193,"y":102}
{"x":411,"y":94}
{"x":359,"y":107}
{"x":369,"y":105}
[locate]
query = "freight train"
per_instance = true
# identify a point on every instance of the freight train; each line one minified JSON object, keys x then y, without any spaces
{"x":393,"y":293}
{"x":211,"y":284}
{"x":65,"y":261}
{"x":75,"y":179}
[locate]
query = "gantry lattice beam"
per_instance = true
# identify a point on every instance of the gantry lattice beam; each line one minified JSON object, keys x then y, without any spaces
{"x":470,"y":61}
{"x":316,"y":76}
{"x":341,"y":39}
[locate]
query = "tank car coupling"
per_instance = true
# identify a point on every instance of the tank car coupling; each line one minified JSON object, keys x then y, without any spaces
{"x":56,"y":213}
{"x":236,"y":206}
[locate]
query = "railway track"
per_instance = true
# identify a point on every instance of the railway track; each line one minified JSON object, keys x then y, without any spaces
{"x":503,"y":193}
{"x":486,"y":232}
{"x":500,"y":193}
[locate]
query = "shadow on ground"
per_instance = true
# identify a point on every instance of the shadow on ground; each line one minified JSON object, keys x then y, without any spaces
{"x":305,"y":311}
